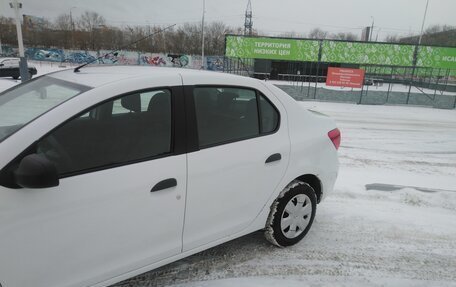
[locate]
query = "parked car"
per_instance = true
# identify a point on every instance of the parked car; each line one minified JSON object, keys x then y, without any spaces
{"x":110,"y":172}
{"x":9,"y":67}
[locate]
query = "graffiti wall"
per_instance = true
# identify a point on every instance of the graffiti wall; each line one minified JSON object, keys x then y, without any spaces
{"x":8,"y":51}
{"x":213,"y":63}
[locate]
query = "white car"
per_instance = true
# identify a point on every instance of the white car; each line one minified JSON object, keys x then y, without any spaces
{"x":110,"y":172}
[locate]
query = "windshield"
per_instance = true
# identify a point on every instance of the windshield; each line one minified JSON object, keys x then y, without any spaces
{"x":24,"y":103}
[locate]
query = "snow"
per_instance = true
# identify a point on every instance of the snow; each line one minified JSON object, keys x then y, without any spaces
{"x":383,"y":88}
{"x":360,"y":237}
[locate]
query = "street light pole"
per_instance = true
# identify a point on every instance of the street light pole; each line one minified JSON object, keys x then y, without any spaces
{"x":1,"y":51}
{"x":415,"y":55}
{"x":422,"y":24}
{"x":202,"y":37}
{"x":72,"y":27}
{"x":372,"y":29}
{"x":23,"y":61}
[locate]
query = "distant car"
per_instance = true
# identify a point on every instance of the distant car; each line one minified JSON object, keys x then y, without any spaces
{"x":9,"y":67}
{"x":368,"y":82}
{"x":110,"y":172}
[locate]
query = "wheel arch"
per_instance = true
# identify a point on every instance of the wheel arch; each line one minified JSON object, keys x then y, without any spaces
{"x":314,"y":182}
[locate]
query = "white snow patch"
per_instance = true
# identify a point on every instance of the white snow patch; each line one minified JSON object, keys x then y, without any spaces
{"x":383,"y":88}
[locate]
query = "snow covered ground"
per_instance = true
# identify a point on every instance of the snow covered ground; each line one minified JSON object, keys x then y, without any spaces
{"x":376,"y":229}
{"x":360,"y":237}
{"x":382,"y":88}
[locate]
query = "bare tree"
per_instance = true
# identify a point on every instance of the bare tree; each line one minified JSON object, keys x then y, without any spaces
{"x":63,"y":22}
{"x":63,"y":25}
{"x":392,"y":39}
{"x":215,"y":38}
{"x":318,"y":33}
{"x":344,"y":36}
{"x":438,"y":28}
{"x":7,"y":31}
{"x":292,"y":34}
{"x":92,"y":23}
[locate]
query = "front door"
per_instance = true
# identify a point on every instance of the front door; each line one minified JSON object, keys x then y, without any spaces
{"x":108,"y":216}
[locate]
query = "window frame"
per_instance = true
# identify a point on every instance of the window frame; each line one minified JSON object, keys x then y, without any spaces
{"x":177,"y":141}
{"x":191,"y":110}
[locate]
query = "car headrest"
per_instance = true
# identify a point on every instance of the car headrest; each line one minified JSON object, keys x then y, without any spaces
{"x":160,"y":102}
{"x":132,"y":103}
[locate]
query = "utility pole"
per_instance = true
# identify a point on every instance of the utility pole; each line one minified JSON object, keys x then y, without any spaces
{"x":376,"y":38}
{"x":415,"y":55}
{"x":372,"y":29}
{"x":422,"y":24}
{"x":202,"y":36}
{"x":23,"y":61}
{"x":1,"y":51}
{"x":72,"y":27}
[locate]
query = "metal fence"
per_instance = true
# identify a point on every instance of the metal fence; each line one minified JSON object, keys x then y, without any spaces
{"x":382,"y":84}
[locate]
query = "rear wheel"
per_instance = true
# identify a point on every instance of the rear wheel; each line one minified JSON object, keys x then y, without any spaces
{"x":292,"y":214}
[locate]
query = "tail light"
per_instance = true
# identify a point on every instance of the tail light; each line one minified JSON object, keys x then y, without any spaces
{"x":334,"y":135}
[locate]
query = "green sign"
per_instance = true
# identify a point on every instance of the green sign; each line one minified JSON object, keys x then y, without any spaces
{"x":367,"y":53}
{"x":437,"y":57}
{"x":272,"y":48}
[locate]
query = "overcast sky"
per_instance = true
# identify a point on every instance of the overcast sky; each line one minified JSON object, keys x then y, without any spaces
{"x":271,"y":17}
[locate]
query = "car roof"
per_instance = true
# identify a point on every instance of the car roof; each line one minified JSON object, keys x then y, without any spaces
{"x":95,"y":76}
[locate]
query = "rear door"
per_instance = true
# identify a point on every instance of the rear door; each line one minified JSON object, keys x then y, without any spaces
{"x":120,"y":202}
{"x":243,"y":151}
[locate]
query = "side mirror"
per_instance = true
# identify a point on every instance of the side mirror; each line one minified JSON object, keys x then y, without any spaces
{"x":35,"y":171}
{"x":1,"y":65}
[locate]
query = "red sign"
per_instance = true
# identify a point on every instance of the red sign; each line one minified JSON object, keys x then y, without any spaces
{"x":345,"y":77}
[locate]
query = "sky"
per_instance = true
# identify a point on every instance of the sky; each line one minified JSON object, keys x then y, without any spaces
{"x":271,"y":17}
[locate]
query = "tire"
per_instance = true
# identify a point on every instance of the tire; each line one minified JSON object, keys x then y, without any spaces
{"x":30,"y":75}
{"x":285,"y":226}
{"x":15,"y":77}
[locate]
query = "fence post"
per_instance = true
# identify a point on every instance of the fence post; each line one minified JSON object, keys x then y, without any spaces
{"x":415,"y":57}
{"x":318,"y":67}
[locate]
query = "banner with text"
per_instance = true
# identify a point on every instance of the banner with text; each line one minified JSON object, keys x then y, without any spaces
{"x":272,"y":48}
{"x":343,"y":77}
{"x":437,"y":57}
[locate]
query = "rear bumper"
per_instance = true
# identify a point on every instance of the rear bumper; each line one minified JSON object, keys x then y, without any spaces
{"x":328,"y":178}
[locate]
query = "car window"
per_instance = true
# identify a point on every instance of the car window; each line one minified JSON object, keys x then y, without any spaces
{"x":24,"y":103}
{"x":225,"y":114}
{"x":144,"y":102}
{"x":269,"y":116}
{"x":110,"y":137}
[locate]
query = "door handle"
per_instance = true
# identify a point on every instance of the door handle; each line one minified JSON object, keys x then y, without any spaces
{"x":164,"y":184}
{"x":274,"y":157}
